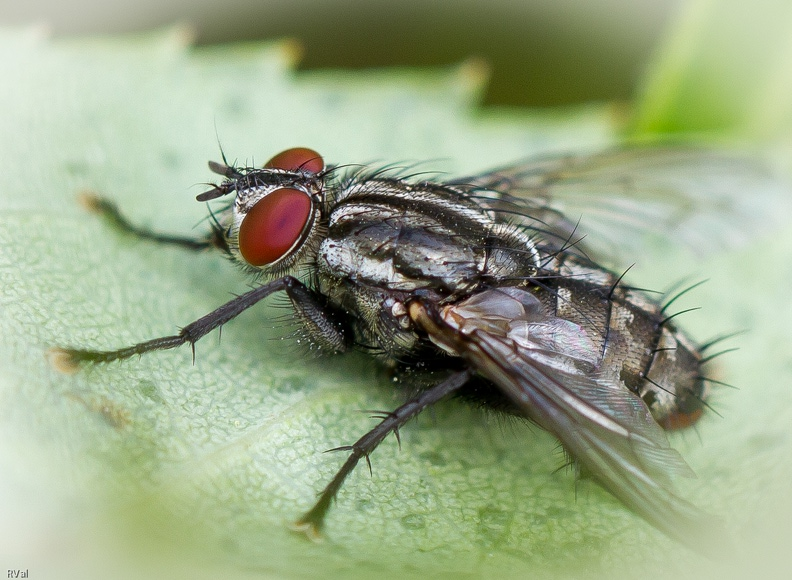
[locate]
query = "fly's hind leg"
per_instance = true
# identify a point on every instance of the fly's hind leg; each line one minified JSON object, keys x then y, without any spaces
{"x":311,"y":523}
{"x":110,"y":213}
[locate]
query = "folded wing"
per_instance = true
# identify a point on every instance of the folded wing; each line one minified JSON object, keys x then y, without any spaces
{"x":548,"y":368}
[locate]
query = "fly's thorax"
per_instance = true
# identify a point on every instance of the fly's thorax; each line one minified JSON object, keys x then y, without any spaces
{"x":387,"y":239}
{"x":401,"y":236}
{"x":377,"y":252}
{"x":377,"y":245}
{"x":388,"y":235}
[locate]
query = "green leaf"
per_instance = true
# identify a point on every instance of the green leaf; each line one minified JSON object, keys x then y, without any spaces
{"x":726,"y":67}
{"x":158,"y":465}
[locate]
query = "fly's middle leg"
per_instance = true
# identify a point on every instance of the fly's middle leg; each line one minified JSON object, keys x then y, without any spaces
{"x":311,"y":523}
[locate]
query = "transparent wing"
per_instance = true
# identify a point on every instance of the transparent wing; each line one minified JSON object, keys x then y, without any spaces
{"x":547,"y":367}
{"x":623,"y":199}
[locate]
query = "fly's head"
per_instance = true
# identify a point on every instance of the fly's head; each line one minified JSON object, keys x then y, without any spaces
{"x":272,"y":226}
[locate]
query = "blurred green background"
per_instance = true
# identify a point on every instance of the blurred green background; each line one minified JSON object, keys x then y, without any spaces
{"x":685,"y":66}
{"x":541,"y":52}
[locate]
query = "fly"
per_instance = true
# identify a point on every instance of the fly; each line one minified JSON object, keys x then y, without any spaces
{"x":488,"y":281}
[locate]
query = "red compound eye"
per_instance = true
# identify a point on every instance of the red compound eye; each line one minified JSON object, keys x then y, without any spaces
{"x":273,"y":225}
{"x":296,"y":158}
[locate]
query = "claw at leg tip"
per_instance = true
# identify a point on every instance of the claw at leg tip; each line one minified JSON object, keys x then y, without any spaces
{"x":309,"y":529}
{"x":62,"y":361}
{"x":89,"y":200}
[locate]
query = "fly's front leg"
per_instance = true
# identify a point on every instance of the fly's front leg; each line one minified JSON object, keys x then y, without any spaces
{"x":109,"y":211}
{"x":311,"y":523}
{"x":306,"y":306}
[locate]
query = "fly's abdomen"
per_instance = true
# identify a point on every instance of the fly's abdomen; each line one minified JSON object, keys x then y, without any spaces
{"x":639,"y":347}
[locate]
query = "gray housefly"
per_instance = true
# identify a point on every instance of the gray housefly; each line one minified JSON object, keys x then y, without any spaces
{"x":494,"y":284}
